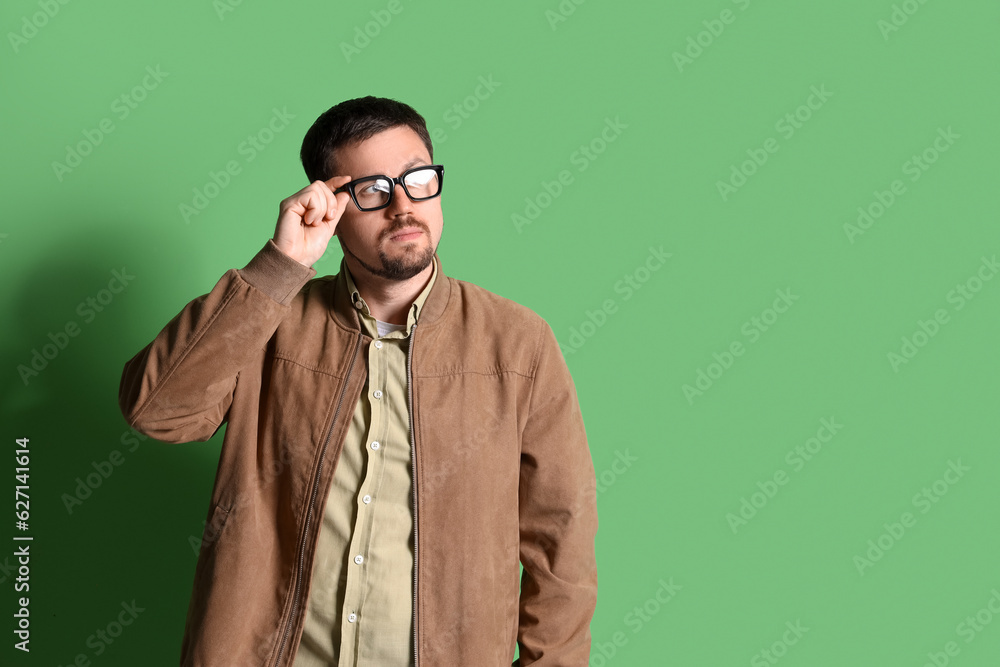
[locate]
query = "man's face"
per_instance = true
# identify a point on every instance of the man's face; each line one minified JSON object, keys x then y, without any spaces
{"x":399,"y":241}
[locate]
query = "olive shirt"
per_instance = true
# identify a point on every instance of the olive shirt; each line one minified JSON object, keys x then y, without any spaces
{"x":360,"y":606}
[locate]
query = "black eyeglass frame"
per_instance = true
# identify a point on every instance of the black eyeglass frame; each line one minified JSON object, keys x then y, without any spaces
{"x":349,"y":187}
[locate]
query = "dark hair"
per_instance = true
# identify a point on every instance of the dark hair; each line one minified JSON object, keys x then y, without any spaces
{"x":352,"y":121}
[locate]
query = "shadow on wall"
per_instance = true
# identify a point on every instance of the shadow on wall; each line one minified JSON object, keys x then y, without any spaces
{"x":111,"y":512}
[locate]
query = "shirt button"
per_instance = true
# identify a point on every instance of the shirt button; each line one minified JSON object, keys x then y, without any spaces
{"x":377,"y":393}
{"x":366,"y":499}
{"x":359,"y":559}
{"x":375,"y":445}
{"x":378,"y":345}
{"x":357,"y":304}
{"x":352,"y":617}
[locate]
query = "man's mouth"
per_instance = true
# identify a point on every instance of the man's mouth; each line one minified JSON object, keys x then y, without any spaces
{"x":406,"y":234}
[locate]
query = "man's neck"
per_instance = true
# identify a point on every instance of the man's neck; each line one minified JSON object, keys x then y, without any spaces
{"x":388,"y":300}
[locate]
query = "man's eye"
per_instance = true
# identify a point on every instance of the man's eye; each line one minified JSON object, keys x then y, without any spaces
{"x":375,"y":187}
{"x":421,"y":178}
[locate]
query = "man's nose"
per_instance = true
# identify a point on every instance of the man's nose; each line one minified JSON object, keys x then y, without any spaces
{"x":401,"y":204}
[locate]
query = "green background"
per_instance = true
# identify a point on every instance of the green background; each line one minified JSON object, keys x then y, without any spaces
{"x":674,"y":466}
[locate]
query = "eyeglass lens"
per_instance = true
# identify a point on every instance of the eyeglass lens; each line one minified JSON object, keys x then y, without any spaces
{"x":420,"y":184}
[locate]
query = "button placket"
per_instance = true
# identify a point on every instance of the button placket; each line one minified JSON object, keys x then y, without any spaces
{"x":367,"y":475}
{"x":361,"y":540}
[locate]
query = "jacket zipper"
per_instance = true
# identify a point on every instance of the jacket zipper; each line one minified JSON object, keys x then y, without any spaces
{"x":413,"y":469}
{"x":312,"y":503}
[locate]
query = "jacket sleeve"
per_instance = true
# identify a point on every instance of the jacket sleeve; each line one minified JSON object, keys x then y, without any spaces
{"x":180,"y":386}
{"x":558,"y":520}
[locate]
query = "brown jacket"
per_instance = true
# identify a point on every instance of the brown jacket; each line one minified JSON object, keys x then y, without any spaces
{"x":502,"y":471}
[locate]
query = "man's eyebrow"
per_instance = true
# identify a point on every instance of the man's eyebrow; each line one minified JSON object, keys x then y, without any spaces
{"x":414,"y":162}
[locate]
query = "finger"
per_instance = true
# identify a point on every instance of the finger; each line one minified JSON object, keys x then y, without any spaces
{"x":315,"y":207}
{"x":339,"y":200}
{"x":322,"y":204}
{"x":331,"y":204}
{"x":343,"y":199}
{"x":337,"y":181}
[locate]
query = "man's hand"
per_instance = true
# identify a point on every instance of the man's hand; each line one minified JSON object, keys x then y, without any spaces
{"x":308,"y":219}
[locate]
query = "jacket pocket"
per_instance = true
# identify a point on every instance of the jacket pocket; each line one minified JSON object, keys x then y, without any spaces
{"x":209,"y":542}
{"x":213,"y":529}
{"x":196,"y":631}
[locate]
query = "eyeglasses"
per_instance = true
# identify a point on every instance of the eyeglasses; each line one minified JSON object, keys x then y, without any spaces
{"x":372,"y":193}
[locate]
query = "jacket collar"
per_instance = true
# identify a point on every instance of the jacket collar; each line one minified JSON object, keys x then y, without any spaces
{"x":345,"y":313}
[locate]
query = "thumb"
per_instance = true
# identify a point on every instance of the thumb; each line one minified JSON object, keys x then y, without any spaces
{"x":337,"y":181}
{"x":339,"y":200}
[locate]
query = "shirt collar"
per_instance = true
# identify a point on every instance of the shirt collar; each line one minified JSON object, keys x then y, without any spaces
{"x":368,"y":321}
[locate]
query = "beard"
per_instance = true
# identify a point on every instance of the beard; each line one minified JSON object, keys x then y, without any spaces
{"x":404,"y":266}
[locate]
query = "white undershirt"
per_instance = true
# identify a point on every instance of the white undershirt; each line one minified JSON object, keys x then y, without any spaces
{"x":386,"y":327}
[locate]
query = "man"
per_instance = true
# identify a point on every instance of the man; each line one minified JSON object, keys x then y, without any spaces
{"x":397,"y":440}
